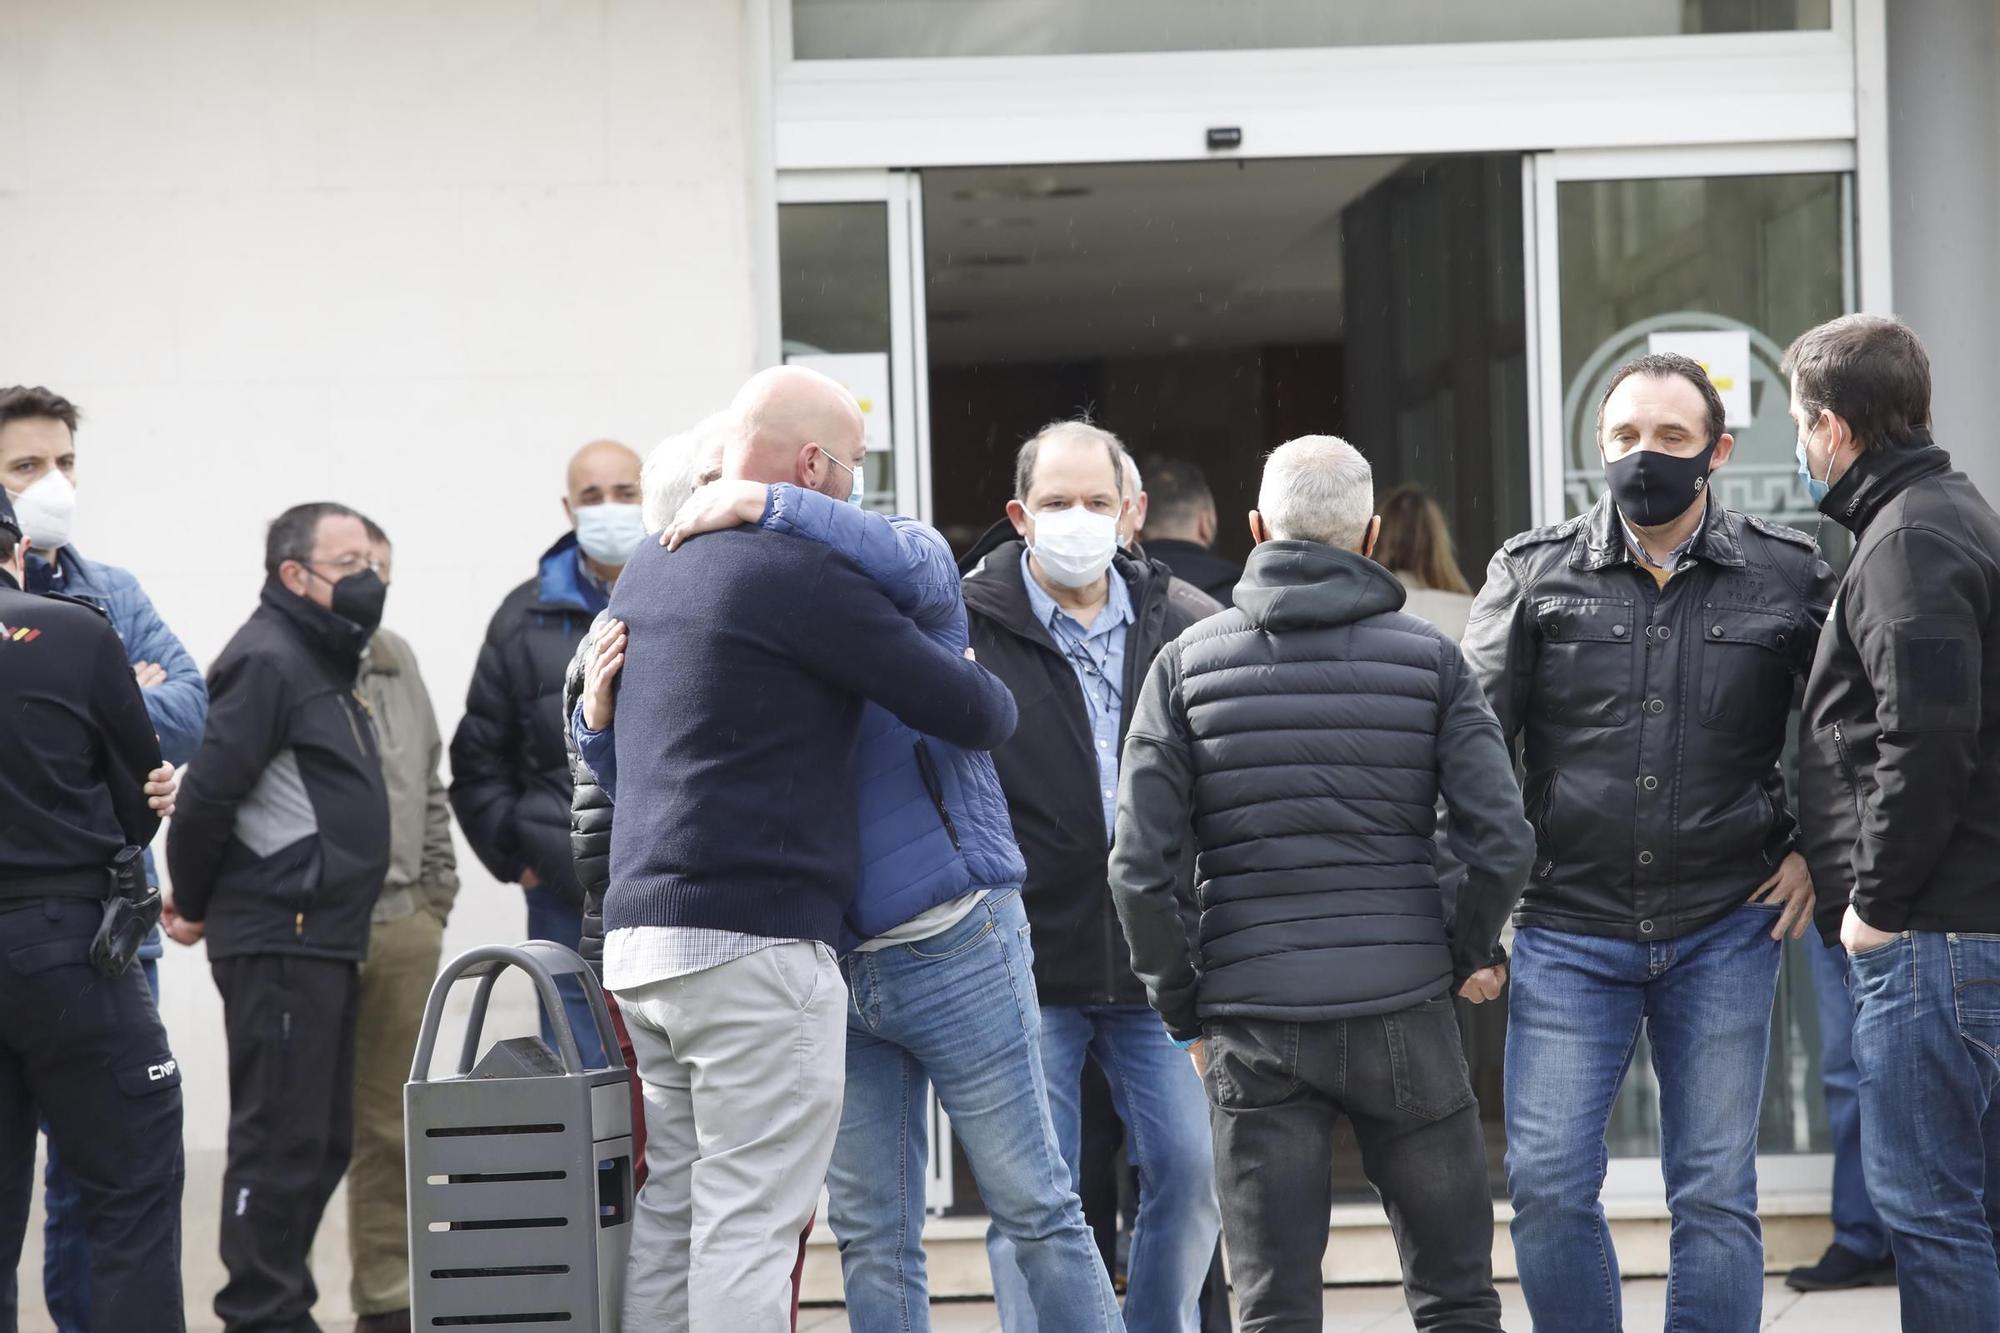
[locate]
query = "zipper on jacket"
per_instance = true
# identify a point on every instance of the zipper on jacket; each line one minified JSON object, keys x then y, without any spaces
{"x":299,"y":926}
{"x":928,"y":769}
{"x":353,"y":730}
{"x":1847,"y":769}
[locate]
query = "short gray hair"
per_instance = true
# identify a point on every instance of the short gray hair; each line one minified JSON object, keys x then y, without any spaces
{"x":672,"y":471}
{"x":1079,"y":430}
{"x":1317,"y":488}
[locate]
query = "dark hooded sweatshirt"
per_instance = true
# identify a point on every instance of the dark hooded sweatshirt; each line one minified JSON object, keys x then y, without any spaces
{"x":1309,"y":732}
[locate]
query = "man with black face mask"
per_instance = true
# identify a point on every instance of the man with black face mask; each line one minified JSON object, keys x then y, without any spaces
{"x":279,"y":847}
{"x":1646,"y":656}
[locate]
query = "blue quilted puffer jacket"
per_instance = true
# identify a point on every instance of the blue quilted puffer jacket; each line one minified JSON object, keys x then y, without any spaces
{"x":934,"y":823}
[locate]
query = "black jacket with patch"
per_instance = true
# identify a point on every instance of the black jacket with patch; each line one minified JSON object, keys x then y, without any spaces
{"x":280,"y":838}
{"x":79,"y":743}
{"x":1651,"y":719}
{"x":1899,"y":764}
{"x":1048,"y":768}
{"x":1197,"y":564}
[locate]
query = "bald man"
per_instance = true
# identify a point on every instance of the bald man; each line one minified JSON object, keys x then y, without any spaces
{"x":736,"y":853}
{"x":510,"y":785}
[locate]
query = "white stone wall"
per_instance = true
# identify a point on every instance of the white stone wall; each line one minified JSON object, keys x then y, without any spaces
{"x":404,"y":256}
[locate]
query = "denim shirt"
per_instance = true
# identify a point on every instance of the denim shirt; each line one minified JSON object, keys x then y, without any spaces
{"x":1097,"y":655}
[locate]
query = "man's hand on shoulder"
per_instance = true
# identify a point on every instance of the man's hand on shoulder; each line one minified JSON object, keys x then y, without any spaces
{"x":718,"y":505}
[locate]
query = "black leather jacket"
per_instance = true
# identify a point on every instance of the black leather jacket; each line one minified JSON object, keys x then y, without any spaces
{"x":1651,"y":718}
{"x":1899,"y":754}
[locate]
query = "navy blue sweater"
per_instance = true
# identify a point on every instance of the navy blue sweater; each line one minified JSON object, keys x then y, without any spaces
{"x":738,"y":711}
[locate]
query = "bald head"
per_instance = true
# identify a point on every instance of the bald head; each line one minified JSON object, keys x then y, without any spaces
{"x":796,"y":425}
{"x":603,"y":471}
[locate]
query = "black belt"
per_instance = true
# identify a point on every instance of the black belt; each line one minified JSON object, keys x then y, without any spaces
{"x":92,"y":884}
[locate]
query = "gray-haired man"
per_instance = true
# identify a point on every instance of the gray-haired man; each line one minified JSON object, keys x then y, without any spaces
{"x":1308,"y":734}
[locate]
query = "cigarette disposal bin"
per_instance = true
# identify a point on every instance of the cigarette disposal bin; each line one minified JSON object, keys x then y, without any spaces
{"x":520,"y":1169}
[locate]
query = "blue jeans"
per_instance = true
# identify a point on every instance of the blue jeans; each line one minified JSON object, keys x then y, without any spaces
{"x":1574,"y":1015}
{"x":958,"y":1011}
{"x":1927,"y":1040}
{"x":66,"y":1231}
{"x":548,"y":919}
{"x":1856,"y":1224}
{"x":1159,"y":1097}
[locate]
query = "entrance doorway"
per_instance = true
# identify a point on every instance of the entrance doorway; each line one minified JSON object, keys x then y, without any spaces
{"x":1209,"y":311}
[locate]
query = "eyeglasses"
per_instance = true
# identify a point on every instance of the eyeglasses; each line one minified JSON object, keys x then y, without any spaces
{"x":346,"y":567}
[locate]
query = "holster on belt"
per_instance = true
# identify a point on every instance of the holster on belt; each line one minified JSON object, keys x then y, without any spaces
{"x":131,"y":911}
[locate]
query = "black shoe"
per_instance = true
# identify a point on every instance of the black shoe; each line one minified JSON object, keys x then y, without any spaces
{"x":397,"y":1322}
{"x":1841,"y":1269}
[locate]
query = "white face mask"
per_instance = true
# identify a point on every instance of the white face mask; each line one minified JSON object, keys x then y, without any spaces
{"x":1074,"y":545}
{"x":609,"y":533}
{"x":46,"y":510}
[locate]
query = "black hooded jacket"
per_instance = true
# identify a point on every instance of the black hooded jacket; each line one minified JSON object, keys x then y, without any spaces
{"x":1309,"y":733}
{"x":1899,"y":755}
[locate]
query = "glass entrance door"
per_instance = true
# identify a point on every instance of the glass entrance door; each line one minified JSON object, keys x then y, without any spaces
{"x":849,"y":307}
{"x":1726,"y":257}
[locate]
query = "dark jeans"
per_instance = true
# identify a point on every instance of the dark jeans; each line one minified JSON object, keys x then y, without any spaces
{"x":1856,"y":1224}
{"x":65,"y":1229}
{"x":290,"y":1023}
{"x":88,"y":1052}
{"x":1278,"y":1089}
{"x":549,"y":919}
{"x":1927,"y":1040}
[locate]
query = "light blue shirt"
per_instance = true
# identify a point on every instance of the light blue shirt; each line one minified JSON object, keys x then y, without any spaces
{"x":1097,"y":655}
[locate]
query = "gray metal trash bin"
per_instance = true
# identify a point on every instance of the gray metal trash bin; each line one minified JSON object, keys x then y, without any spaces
{"x":520,"y":1169}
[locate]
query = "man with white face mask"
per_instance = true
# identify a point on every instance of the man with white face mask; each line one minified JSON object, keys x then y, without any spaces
{"x":1072,"y":625}
{"x":510,"y":784}
{"x":38,"y":471}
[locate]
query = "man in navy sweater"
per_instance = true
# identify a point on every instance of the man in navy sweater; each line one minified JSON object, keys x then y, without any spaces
{"x":735,"y":853}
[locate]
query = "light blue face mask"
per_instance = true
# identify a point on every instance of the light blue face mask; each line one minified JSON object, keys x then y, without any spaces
{"x":609,"y":533}
{"x":1816,"y":487}
{"x":853,"y":476}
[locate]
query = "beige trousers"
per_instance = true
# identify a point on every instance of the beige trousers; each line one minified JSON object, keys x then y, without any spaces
{"x":395,"y":982}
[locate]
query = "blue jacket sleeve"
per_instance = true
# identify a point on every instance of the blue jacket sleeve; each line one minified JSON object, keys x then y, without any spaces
{"x":598,"y":751}
{"x":909,"y":559}
{"x":178,"y":706}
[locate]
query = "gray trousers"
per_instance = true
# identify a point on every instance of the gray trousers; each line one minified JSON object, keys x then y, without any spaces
{"x":743,"y":1068}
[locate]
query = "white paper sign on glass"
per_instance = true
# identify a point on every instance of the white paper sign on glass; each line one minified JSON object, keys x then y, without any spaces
{"x":866,"y":376}
{"x":1725,"y":355}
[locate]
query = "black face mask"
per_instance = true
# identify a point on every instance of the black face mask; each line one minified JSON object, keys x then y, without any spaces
{"x":1653,"y":489}
{"x":359,"y":598}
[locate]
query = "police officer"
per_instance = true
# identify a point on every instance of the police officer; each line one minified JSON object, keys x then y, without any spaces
{"x":82,"y":1041}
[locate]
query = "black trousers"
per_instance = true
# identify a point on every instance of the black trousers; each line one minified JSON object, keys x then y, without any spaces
{"x":290,"y":1023}
{"x":88,"y":1053}
{"x":1278,"y":1089}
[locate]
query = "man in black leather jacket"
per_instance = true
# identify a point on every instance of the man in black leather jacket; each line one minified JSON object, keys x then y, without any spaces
{"x":1899,"y":782}
{"x":1646,"y":654}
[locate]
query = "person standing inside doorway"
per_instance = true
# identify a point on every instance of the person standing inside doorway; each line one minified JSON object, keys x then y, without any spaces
{"x":405,"y":940}
{"x":1899,"y":782}
{"x":1072,"y":626}
{"x":1179,"y":527}
{"x":1646,"y":654}
{"x":510,"y":783}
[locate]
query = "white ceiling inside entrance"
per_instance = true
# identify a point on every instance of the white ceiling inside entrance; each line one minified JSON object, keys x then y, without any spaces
{"x":1082,"y":262}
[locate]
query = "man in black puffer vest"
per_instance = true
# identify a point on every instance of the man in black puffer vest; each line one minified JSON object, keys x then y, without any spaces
{"x":1309,"y":733}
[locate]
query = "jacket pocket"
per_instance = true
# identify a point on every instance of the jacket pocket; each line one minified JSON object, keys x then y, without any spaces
{"x":1745,"y":667}
{"x":1585,"y":677}
{"x":927,"y":767}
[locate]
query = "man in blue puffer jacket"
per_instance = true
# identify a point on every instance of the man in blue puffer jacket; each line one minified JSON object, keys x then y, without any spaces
{"x":37,"y":467}
{"x":939,"y":969}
